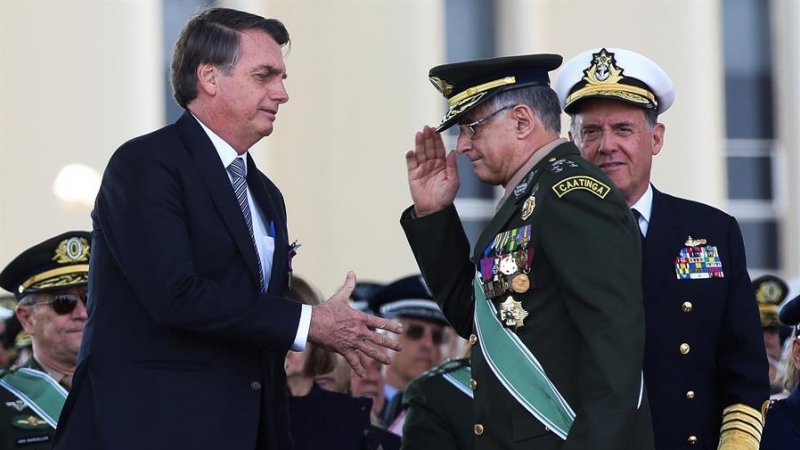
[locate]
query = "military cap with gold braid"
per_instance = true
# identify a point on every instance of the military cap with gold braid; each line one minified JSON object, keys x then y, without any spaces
{"x":770,"y":291}
{"x":616,"y":74}
{"x":467,"y":84}
{"x":56,"y":263}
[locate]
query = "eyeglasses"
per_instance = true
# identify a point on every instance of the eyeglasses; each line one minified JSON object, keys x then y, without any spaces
{"x":415,"y":332}
{"x":65,"y":303}
{"x":469,"y":128}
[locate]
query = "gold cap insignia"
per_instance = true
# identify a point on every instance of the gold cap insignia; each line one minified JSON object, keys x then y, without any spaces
{"x":604,"y":78}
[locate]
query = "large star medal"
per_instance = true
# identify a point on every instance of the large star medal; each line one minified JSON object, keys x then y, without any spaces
{"x":511,"y":313}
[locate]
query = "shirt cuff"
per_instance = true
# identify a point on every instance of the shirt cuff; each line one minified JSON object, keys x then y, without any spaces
{"x":302,"y":329}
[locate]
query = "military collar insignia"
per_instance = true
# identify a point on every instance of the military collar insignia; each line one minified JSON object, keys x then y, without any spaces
{"x":528,"y":207}
{"x":523,"y":185}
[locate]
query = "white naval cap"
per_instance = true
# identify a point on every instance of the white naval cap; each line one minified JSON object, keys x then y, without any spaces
{"x":614,"y":73}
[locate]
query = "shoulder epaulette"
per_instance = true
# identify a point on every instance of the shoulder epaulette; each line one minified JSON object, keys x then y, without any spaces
{"x":558,"y":165}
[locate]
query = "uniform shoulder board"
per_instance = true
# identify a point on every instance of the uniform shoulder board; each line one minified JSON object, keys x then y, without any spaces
{"x":446,"y":367}
{"x":558,"y":165}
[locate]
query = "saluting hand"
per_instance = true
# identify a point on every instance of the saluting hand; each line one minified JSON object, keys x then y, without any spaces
{"x":432,"y":174}
{"x":338,"y":327}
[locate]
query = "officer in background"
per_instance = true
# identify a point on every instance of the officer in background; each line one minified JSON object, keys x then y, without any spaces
{"x":705,"y":365}
{"x":438,"y":408}
{"x":771,"y":291}
{"x":50,"y":283}
{"x":782,"y":430}
{"x":409,"y":302}
{"x":552,"y":287}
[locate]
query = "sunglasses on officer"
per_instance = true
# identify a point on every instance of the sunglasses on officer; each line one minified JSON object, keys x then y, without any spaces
{"x":415,"y":332}
{"x":63,"y":304}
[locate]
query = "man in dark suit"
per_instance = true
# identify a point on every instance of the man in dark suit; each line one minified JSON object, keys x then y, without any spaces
{"x":705,"y":364}
{"x":558,"y":318}
{"x":189,"y":323}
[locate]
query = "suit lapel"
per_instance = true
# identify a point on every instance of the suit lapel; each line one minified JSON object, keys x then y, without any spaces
{"x":272,"y":213}
{"x":209,"y":167}
{"x":662,"y":245}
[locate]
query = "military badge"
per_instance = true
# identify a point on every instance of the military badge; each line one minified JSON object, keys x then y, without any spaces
{"x":511,"y":313}
{"x":528,"y":207}
{"x":698,"y":261}
{"x":28,"y":423}
{"x":508,"y":266}
{"x":582,"y":182}
{"x":520,"y":283}
{"x":19,"y":405}
{"x":72,"y":250}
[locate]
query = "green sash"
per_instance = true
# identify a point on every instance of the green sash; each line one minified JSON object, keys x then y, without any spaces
{"x":38,"y":390}
{"x":460,"y":379}
{"x":517,"y":369}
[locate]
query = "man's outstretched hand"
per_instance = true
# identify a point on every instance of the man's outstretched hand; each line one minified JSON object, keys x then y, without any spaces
{"x":338,"y":327}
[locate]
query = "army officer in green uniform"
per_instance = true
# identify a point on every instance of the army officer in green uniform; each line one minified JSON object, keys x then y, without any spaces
{"x":438,"y":406}
{"x":552,"y":290}
{"x":50,"y":283}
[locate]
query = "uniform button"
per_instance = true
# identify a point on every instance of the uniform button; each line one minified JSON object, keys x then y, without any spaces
{"x":690,"y":395}
{"x":478,"y":428}
{"x":255,"y":385}
{"x":546,"y":428}
{"x":686,"y":307}
{"x":473,"y":384}
{"x":692,"y":440}
{"x":685,"y":348}
{"x":473,"y":339}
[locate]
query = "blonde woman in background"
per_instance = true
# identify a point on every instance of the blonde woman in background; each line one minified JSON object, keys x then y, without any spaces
{"x":782,"y":428}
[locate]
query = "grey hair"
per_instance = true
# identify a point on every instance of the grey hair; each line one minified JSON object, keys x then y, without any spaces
{"x":541,"y":99}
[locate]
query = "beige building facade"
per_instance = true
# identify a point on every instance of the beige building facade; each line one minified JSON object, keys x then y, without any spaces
{"x":78,"y":78}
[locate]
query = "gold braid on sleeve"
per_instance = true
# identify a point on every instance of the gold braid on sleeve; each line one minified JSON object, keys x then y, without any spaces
{"x":741,"y":428}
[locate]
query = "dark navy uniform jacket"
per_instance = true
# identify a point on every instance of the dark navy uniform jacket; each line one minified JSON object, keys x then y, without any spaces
{"x":782,"y":430}
{"x":704,"y":349}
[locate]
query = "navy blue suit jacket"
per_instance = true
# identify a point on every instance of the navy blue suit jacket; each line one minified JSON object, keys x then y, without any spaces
{"x":181,"y":349}
{"x":717,"y":318}
{"x":782,"y":430}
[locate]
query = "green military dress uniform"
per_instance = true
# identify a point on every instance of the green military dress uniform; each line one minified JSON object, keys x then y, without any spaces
{"x":20,"y":426}
{"x":584,"y":320}
{"x":438,"y":407}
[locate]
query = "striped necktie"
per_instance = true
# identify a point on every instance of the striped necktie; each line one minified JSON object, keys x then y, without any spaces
{"x":237,"y":171}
